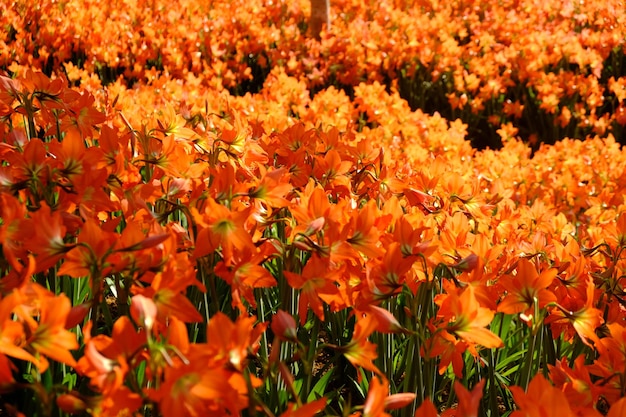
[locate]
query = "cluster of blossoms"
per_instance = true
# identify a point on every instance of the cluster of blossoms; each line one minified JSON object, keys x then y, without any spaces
{"x":473,"y":59}
{"x":171,"y":248}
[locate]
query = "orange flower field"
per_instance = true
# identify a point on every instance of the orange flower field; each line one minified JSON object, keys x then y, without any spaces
{"x":206,"y":211}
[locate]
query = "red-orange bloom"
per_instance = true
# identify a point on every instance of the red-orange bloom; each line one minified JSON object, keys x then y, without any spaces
{"x":307,"y":410}
{"x":14,"y":230}
{"x":467,"y":319}
{"x":12,"y":337}
{"x":284,"y":326}
{"x":221,"y":227}
{"x":584,"y":320}
{"x":272,"y":187}
{"x":469,"y":402}
{"x":385,"y":276}
{"x":50,"y":337}
{"x":94,"y":245}
{"x":378,"y":399}
{"x":364,"y":236}
{"x":375,"y":402}
{"x":121,"y":402}
{"x":231,"y":343}
{"x":83,"y":115}
{"x":195,"y":391}
{"x":611,"y":362}
{"x":540,"y":400}
{"x":71,"y":403}
{"x":317,"y":285}
{"x":106,"y":359}
{"x":246,"y":273}
{"x":575,"y":383}
{"x":360,"y":351}
{"x":618,"y":409}
{"x":212,"y":381}
{"x":172,"y":303}
{"x":427,"y":409}
{"x":448,"y":349}
{"x":48,"y":242}
{"x":526,"y":288}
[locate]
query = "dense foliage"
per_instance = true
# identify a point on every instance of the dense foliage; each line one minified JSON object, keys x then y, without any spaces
{"x":205,"y":212}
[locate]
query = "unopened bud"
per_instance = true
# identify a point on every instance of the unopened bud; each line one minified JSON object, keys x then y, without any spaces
{"x":396,"y":401}
{"x":284,"y":326}
{"x":71,"y":403}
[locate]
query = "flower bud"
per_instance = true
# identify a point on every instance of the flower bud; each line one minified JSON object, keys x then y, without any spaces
{"x":71,"y":403}
{"x":143,"y":310}
{"x":284,"y":326}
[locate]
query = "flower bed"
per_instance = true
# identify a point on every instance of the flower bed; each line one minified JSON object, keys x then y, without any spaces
{"x":182,"y":238}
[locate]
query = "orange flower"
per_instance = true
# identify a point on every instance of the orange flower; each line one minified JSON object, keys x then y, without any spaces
{"x":331,"y":171}
{"x":618,"y":409}
{"x":12,"y":337}
{"x":364,"y":236}
{"x":121,"y":402}
{"x":317,"y":285}
{"x":19,"y":276}
{"x":469,"y":402}
{"x":526,"y":288}
{"x":413,"y":240}
{"x":449,"y":349}
{"x":246,"y":273}
{"x":272,"y":187}
{"x":196,"y":391}
{"x":616,"y":233}
{"x":48,"y":242}
{"x":168,"y":286}
{"x":386,"y":276}
{"x":50,"y":337}
{"x":611,"y":362}
{"x":71,"y":403}
{"x":387,"y":323}
{"x":14,"y":230}
{"x":211,"y":379}
{"x":231,"y":343}
{"x":83,"y":115}
{"x":361,"y":352}
{"x":427,"y":409}
{"x":375,"y":401}
{"x":221,"y":227}
{"x":575,"y":383}
{"x":306,"y":410}
{"x":178,"y":396}
{"x":172,"y":303}
{"x":313,"y":205}
{"x":540,"y":400}
{"x":93,"y":247}
{"x":466,"y":318}
{"x":514,"y":109}
{"x":9,"y":91}
{"x":106,"y":359}
{"x":584,"y":321}
{"x":378,"y":399}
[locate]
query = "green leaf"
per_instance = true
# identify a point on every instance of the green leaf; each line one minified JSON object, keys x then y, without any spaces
{"x":69,"y":380}
{"x":319,"y":388}
{"x":502,"y":367}
{"x":364,"y":386}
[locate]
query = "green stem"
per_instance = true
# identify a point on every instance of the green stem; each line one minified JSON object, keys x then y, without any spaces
{"x":493,"y":391}
{"x":261,"y":317}
{"x":311,"y":351}
{"x":413,"y":369}
{"x":526,"y":373}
